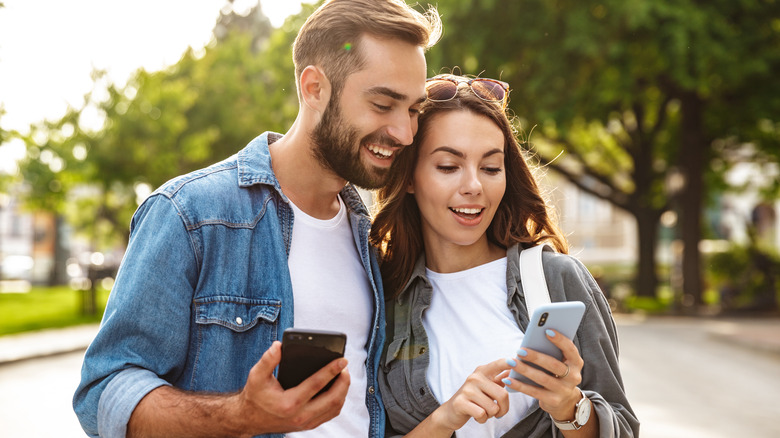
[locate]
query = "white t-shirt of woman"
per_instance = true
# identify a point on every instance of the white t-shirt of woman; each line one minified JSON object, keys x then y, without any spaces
{"x":469,"y":324}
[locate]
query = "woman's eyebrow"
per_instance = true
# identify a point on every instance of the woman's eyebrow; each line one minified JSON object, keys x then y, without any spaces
{"x":449,"y":150}
{"x":492,"y":152}
{"x":460,"y":154}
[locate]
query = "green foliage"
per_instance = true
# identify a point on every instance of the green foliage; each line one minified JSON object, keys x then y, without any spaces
{"x":618,"y":88}
{"x":747,"y":276}
{"x":43,"y":308}
{"x":603,"y":78}
{"x":159,"y":125}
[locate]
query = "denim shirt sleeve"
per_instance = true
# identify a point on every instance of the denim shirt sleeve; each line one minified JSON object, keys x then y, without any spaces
{"x":144,"y":333}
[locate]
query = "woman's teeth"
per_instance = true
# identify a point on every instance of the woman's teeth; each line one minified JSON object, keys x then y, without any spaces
{"x":470,"y":211}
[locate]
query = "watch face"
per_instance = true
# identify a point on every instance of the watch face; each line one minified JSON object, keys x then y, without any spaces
{"x":583,"y":412}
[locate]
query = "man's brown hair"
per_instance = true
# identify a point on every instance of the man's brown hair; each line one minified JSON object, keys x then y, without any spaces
{"x":331,"y":36}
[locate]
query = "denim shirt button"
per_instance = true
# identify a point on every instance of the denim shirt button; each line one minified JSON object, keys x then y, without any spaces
{"x":239,"y":321}
{"x":370,"y":389}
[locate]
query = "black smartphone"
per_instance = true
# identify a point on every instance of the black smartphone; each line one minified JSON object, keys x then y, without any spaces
{"x":304,"y":352}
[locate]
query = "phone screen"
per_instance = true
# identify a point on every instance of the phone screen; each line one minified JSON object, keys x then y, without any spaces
{"x":304,"y":352}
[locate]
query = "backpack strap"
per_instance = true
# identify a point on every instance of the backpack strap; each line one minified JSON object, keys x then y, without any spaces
{"x":532,"y":277}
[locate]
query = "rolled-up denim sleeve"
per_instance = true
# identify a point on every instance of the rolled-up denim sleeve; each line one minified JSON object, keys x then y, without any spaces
{"x":120,"y":398}
{"x":144,"y":336}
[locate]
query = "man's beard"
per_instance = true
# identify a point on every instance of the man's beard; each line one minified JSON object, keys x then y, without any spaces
{"x":337,"y":148}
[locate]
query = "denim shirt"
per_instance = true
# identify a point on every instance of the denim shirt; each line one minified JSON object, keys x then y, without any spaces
{"x":204,"y":289}
{"x":403,"y":381}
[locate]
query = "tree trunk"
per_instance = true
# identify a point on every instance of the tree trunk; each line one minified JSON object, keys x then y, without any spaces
{"x":646,"y":280}
{"x":692,"y":160}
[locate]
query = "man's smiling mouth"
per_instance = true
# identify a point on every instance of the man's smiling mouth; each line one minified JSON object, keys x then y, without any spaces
{"x":379,"y":151}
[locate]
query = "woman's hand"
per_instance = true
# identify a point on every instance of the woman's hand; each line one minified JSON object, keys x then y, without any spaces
{"x":481,"y":397}
{"x":558,"y":393}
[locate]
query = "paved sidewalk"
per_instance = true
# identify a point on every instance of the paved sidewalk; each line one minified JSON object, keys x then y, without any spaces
{"x":14,"y":348}
{"x":756,"y":333}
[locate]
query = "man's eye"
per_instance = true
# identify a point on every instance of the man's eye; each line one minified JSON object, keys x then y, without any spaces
{"x":382,"y":107}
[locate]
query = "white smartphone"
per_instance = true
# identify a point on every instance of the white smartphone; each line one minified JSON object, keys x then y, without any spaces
{"x":564,"y":317}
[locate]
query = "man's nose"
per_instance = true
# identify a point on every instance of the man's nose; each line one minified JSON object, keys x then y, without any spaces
{"x":403,"y":128}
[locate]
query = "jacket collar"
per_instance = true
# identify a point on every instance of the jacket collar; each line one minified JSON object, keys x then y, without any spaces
{"x":254,"y":162}
{"x":254,"y":167}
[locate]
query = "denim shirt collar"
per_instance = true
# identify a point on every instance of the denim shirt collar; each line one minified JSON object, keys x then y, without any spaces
{"x":254,"y":167}
{"x":254,"y":163}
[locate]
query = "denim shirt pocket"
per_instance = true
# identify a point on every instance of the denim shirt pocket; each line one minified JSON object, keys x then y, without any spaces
{"x":233,"y":330}
{"x":236,"y":313}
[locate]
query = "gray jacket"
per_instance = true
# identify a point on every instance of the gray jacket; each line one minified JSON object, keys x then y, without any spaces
{"x":404,"y":386}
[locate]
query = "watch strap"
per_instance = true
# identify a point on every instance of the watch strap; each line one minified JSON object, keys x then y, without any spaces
{"x":573,"y":424}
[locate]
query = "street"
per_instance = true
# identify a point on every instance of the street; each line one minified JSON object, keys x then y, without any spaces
{"x":683,"y":382}
{"x":35,"y":397}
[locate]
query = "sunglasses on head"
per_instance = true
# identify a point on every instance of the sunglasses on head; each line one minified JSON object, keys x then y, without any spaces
{"x":444,"y":87}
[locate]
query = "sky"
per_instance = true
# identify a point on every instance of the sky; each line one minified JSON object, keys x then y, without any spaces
{"x":48,"y":49}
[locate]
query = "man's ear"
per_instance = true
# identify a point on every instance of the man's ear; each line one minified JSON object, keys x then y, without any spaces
{"x":315,"y":88}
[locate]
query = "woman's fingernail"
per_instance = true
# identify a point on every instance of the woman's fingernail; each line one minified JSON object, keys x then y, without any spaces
{"x":507,"y":382}
{"x":522,"y":353}
{"x":550,"y":333}
{"x":511,"y":362}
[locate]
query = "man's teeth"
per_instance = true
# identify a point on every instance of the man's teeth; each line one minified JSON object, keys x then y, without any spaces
{"x":380,"y":151}
{"x":467,"y":210}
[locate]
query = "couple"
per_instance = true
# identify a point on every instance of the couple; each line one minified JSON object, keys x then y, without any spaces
{"x":221,"y":261}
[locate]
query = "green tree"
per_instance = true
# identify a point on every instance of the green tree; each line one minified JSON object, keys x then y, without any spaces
{"x":631,"y":93}
{"x":159,"y":125}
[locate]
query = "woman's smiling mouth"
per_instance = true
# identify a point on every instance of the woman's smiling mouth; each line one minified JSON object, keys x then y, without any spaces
{"x":467,"y":212}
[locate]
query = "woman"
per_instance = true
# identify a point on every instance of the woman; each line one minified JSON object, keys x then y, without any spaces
{"x":460,"y":205}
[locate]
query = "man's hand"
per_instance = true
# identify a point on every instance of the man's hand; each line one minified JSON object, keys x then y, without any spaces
{"x":268,"y":406}
{"x":261,"y":407}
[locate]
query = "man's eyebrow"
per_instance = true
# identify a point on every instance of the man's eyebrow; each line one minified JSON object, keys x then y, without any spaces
{"x":384,"y":91}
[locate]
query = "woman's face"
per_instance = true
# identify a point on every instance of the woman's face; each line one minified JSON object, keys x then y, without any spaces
{"x":459,"y":179}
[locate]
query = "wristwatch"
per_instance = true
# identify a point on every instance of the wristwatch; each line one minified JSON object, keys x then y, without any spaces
{"x":581,"y":415}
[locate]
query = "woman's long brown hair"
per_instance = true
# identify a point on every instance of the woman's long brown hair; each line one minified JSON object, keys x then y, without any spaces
{"x":522,"y":217}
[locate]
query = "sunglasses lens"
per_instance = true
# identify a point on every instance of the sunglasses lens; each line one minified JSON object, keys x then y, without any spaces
{"x":441,"y":90}
{"x":488,"y":90}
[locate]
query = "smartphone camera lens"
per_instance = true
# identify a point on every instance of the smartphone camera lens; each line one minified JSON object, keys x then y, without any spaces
{"x":543,"y":319}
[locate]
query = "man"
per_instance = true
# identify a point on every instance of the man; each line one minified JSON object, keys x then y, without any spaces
{"x":221,"y":261}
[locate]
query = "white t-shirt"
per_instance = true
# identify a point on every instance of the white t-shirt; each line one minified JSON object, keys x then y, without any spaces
{"x":332,"y":292}
{"x":469,"y":324}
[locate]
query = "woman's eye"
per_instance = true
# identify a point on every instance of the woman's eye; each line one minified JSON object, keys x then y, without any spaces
{"x":446,"y":169}
{"x":492,"y":170}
